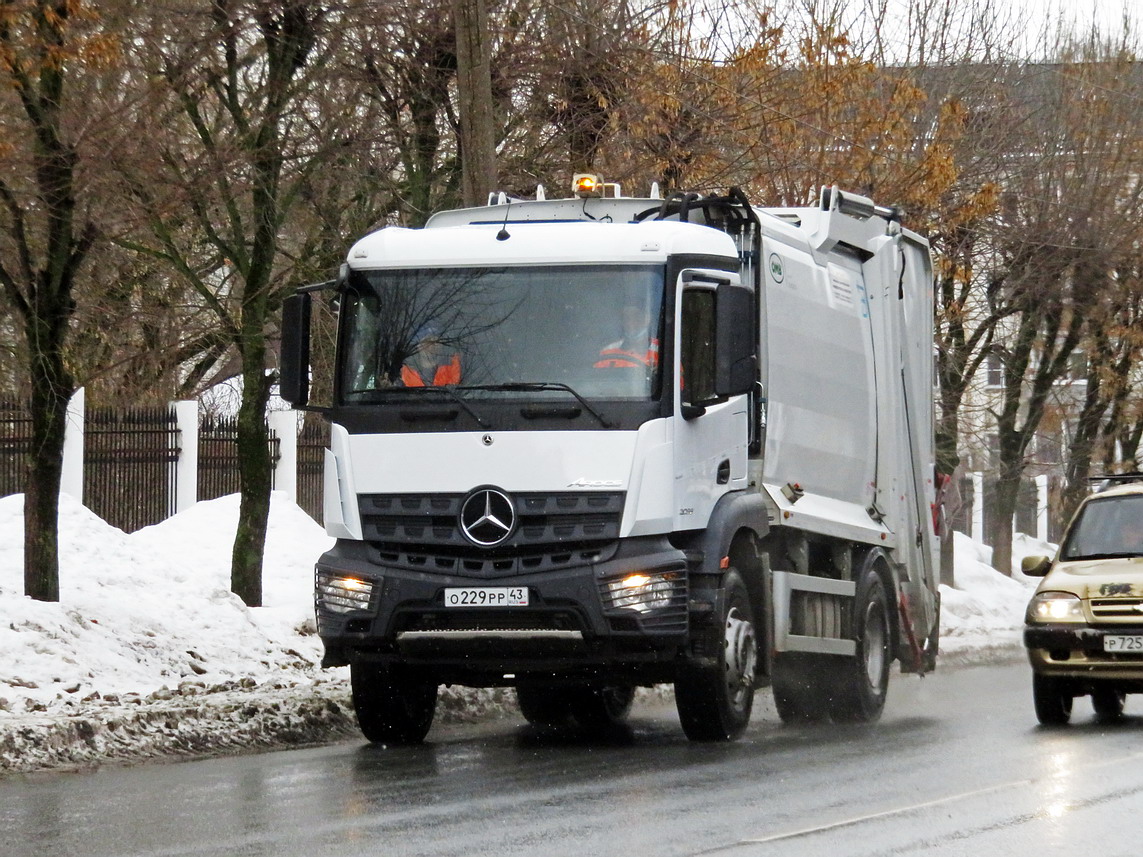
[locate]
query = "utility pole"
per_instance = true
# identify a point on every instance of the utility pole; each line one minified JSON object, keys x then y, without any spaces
{"x":477,"y":111}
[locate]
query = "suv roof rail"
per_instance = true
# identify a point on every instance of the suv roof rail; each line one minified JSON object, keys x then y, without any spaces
{"x":1110,"y":480}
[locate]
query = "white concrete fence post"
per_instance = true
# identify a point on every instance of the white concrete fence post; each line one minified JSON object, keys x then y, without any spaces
{"x":186,"y":468}
{"x":284,"y":424}
{"x":977,"y":505}
{"x":1042,"y":507}
{"x":71,"y":478}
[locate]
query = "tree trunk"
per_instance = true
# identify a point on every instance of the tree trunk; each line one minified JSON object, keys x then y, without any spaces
{"x":948,"y":560}
{"x":255,"y":479}
{"x":1007,"y":493}
{"x":51,"y":390}
{"x":477,"y":109}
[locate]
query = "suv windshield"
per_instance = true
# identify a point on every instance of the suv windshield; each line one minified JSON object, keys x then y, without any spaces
{"x":1107,"y":527}
{"x":595,"y":329}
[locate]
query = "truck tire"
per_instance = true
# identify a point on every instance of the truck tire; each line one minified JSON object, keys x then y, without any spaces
{"x":799,"y":694}
{"x":862,"y":681}
{"x":392,"y":707}
{"x":594,"y":707}
{"x":600,"y":708}
{"x":1052,"y":698}
{"x":1107,"y":700}
{"x":543,"y":705}
{"x":714,"y":701}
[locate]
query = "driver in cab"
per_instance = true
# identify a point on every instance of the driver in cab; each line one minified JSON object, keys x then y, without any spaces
{"x":431,"y":364}
{"x":638,"y":346}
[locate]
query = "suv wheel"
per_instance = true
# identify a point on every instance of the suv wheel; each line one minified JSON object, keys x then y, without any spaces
{"x":1053,"y":700}
{"x":1107,"y":700}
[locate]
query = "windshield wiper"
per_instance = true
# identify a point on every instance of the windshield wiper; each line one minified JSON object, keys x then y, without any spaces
{"x":451,"y":392}
{"x":529,"y":386}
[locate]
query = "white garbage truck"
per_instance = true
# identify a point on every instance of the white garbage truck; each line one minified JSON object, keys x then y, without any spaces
{"x":584,"y":445}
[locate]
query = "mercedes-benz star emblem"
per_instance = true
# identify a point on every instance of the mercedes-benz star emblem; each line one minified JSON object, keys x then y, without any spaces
{"x":487,"y":517}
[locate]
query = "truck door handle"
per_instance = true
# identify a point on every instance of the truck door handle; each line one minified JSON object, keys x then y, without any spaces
{"x":724,"y":471}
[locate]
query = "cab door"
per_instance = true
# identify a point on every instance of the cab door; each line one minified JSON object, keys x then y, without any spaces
{"x":710,"y":429}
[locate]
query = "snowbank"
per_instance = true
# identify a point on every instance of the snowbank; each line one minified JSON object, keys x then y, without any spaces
{"x":154,"y":609}
{"x":985,"y":610}
{"x":148,"y":652}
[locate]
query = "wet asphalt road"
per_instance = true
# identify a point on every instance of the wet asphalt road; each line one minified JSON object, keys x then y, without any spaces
{"x":957,"y":766}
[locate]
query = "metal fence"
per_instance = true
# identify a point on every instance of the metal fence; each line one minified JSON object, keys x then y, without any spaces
{"x":218,"y":457}
{"x":312,"y":443}
{"x":15,"y":441}
{"x":130,"y":461}
{"x":129,"y":465}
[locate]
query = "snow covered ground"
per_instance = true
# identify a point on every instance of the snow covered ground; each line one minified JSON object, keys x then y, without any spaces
{"x":148,"y":653}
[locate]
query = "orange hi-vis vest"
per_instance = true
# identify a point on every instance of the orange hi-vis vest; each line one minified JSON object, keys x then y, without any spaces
{"x":615,"y":357}
{"x":445,"y":374}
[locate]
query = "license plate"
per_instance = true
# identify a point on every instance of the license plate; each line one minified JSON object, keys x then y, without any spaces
{"x":486,"y":596}
{"x":1123,"y":643}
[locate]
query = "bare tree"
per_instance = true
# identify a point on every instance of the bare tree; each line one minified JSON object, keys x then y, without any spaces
{"x":50,"y":55}
{"x":231,"y":79}
{"x":477,"y":111}
{"x":1073,"y":199}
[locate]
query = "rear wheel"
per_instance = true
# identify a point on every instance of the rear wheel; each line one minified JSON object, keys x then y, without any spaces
{"x":715,"y":699}
{"x":1108,"y":701}
{"x":862,"y":681}
{"x":392,"y":706}
{"x":796,"y":684}
{"x":1053,"y":700}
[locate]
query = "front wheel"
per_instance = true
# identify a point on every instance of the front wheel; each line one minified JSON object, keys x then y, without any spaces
{"x":1053,"y":700}
{"x":715,"y":700}
{"x":392,"y":706}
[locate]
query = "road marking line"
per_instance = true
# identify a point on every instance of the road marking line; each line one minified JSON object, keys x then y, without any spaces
{"x":886,"y":813}
{"x":848,"y":822}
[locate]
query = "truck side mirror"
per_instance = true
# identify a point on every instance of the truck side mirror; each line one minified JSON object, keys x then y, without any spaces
{"x":294,"y":359}
{"x":735,"y":348}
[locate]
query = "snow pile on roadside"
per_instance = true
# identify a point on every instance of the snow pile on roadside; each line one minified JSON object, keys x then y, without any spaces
{"x":149,"y":653}
{"x":153,"y":609}
{"x":985,"y":611}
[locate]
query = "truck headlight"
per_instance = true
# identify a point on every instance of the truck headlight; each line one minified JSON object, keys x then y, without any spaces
{"x":1055,"y":607}
{"x":342,"y":593}
{"x":644,"y":591}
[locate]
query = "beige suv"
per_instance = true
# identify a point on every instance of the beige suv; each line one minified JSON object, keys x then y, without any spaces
{"x":1084,"y":625}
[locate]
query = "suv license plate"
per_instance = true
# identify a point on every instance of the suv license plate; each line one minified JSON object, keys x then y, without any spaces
{"x":1123,"y":643}
{"x":486,"y":596}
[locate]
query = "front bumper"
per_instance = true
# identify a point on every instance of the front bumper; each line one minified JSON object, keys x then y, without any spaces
{"x":570,"y":628}
{"x":1077,"y":651}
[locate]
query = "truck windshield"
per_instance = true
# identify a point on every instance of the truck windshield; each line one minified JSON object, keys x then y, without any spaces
{"x":596,"y":329}
{"x":1111,"y":527}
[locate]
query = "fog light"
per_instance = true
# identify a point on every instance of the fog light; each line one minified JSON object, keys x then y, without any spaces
{"x":642,"y":591}
{"x":339,"y":594}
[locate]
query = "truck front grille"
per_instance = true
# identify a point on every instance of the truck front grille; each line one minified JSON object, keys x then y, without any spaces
{"x":421,"y":532}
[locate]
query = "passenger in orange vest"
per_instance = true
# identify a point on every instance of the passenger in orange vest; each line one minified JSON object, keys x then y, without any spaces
{"x":431,"y":364}
{"x":639,"y":347}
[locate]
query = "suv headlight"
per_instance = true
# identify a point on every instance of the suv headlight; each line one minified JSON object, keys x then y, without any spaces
{"x":1055,"y":607}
